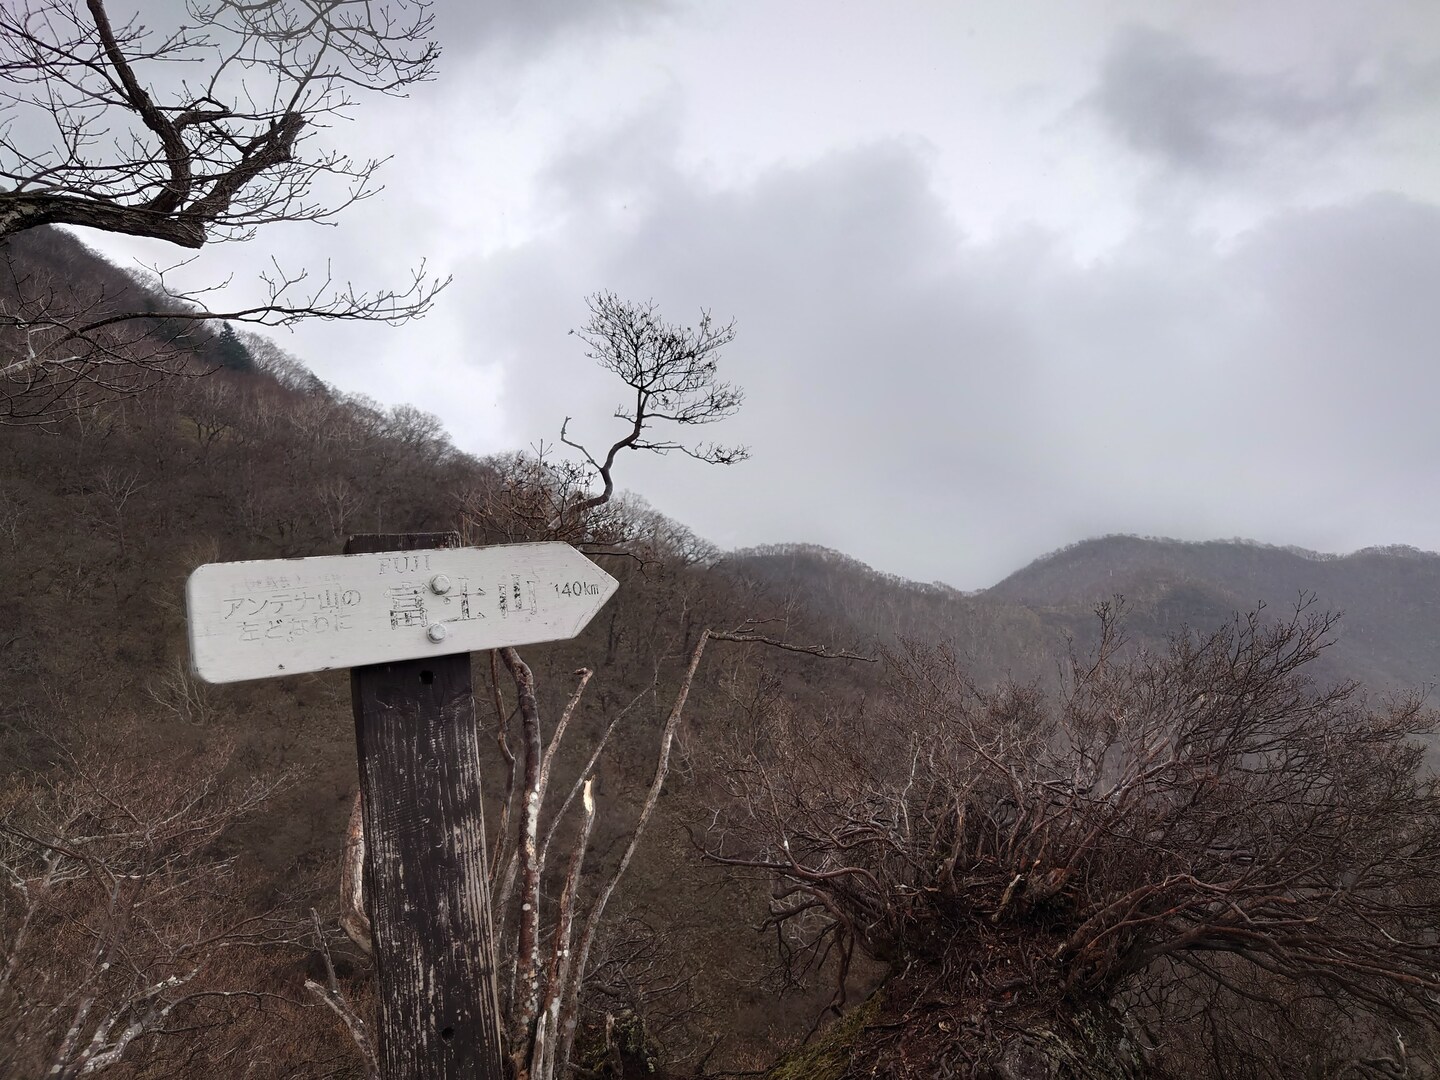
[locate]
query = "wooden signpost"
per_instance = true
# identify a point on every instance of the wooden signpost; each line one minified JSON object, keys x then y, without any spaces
{"x":403,"y":612}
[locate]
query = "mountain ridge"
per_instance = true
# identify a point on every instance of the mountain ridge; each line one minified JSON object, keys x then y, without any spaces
{"x":1388,"y":597}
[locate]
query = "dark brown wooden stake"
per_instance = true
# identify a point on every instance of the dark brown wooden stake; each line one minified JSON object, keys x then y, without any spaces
{"x":425,"y":873}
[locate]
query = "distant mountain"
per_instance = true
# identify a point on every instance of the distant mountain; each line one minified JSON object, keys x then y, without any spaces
{"x":1389,"y":596}
{"x":858,"y":605}
{"x":1389,"y":635}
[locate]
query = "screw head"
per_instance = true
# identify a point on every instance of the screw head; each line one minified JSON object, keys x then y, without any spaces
{"x":440,"y":584}
{"x":436,"y":632}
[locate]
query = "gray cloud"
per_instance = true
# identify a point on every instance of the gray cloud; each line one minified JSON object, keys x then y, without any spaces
{"x":520,"y":30}
{"x":1349,"y":333}
{"x":1167,"y":100}
{"x":948,"y":409}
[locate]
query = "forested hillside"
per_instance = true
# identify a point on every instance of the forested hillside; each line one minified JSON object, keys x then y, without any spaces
{"x":1389,"y":599}
{"x":106,"y":510}
{"x":829,"y":823}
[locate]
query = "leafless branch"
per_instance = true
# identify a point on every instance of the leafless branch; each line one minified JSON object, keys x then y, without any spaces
{"x":1171,"y":808}
{"x":339,"y":1004}
{"x":671,"y":371}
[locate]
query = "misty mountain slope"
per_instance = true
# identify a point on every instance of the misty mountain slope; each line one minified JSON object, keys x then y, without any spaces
{"x":1389,"y":635}
{"x":1390,"y":597}
{"x":859,"y":605}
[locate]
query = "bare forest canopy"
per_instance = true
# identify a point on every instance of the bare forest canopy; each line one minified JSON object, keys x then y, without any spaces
{"x":246,"y":790}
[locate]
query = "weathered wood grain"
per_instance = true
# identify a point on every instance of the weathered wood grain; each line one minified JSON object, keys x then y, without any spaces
{"x":425,"y":872}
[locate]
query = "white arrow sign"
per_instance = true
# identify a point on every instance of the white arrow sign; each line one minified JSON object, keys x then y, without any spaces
{"x":256,"y":620}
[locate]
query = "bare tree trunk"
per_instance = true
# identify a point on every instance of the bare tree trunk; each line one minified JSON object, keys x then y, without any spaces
{"x":331,"y":995}
{"x":570,"y":1007}
{"x":353,"y":919}
{"x":526,"y":1002}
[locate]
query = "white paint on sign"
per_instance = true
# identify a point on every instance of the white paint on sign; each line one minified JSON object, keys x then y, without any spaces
{"x":256,"y":620}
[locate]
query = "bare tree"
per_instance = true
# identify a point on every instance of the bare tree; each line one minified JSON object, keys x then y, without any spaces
{"x":671,"y":371}
{"x":532,"y":495}
{"x":116,"y":910}
{"x":548,"y":940}
{"x":544,"y":940}
{"x":192,"y":134}
{"x":225,"y":146}
{"x":330,"y":994}
{"x":549,"y":963}
{"x":1188,"y":816}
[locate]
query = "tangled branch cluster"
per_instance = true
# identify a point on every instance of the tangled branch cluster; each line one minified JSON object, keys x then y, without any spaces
{"x":1179,"y":811}
{"x":195,"y":133}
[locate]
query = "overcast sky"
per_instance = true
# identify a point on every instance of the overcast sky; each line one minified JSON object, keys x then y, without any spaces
{"x":1005,"y":274}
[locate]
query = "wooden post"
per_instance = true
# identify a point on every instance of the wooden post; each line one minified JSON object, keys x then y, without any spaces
{"x":405,"y":625}
{"x":425,"y":868}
